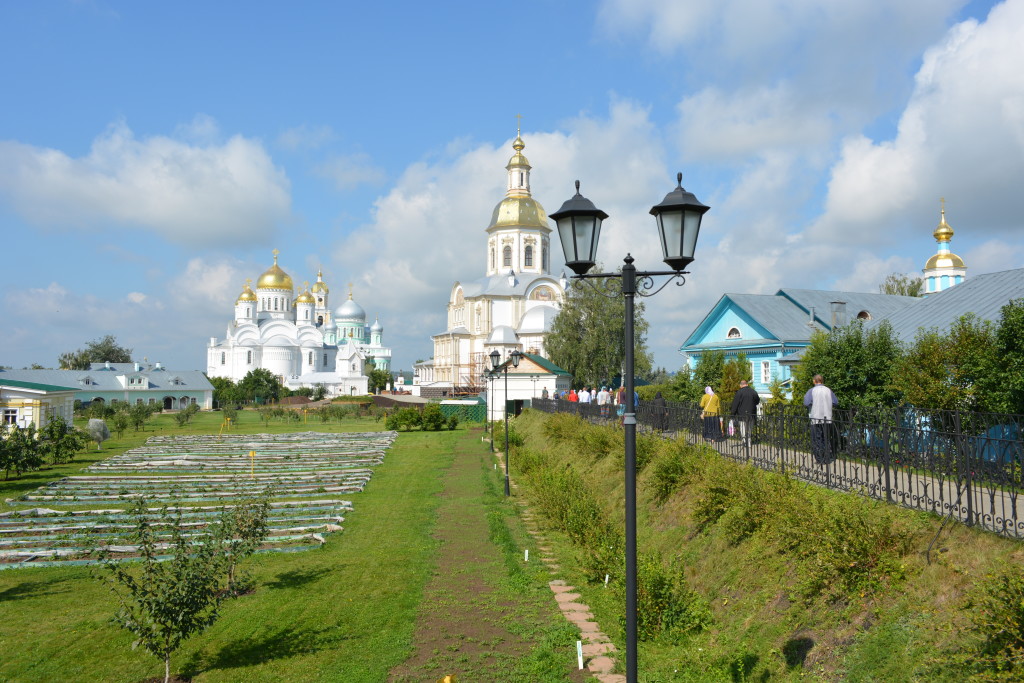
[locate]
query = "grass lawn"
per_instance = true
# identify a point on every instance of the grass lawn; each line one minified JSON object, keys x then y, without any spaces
{"x":345,"y":612}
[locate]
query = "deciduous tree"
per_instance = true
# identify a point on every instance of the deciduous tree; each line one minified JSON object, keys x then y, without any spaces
{"x":259,"y":383}
{"x":587,"y":336}
{"x":101,"y":350}
{"x":902,"y":284}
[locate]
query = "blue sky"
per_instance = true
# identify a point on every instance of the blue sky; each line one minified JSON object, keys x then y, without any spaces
{"x":153,"y":154}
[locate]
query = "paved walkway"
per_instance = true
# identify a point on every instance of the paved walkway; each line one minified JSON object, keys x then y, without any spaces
{"x":598,"y":650}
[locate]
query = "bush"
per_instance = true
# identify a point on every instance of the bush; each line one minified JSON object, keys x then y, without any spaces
{"x":403,"y":419}
{"x":996,"y":610}
{"x":665,"y":604}
{"x":431,"y":419}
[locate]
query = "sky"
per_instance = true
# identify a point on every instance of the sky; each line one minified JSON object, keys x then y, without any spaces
{"x":152,"y":155}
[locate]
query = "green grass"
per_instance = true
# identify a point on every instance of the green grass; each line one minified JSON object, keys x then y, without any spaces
{"x":882,"y":612}
{"x":344,"y":612}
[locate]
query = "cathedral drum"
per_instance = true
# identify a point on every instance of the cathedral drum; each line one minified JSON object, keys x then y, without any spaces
{"x":281,"y":360}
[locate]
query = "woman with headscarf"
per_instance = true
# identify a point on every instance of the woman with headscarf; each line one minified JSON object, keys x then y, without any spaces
{"x":711,"y":408}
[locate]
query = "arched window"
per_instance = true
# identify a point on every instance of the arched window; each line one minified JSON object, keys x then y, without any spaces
{"x":223,"y":358}
{"x":248,"y":357}
{"x":528,"y":257}
{"x":307,"y":314}
{"x":310,"y":357}
{"x":275,"y":303}
{"x":506,"y":255}
{"x":734,"y":333}
{"x":864,"y":315}
{"x":544,"y":257}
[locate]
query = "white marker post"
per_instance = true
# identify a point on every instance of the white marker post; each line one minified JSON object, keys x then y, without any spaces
{"x":579,"y":653}
{"x":526,"y":556}
{"x":606,"y":580}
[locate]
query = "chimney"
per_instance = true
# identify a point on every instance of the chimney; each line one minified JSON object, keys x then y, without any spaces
{"x":838,"y":313}
{"x":158,"y":366}
{"x":810,"y":323}
{"x":137,"y":366}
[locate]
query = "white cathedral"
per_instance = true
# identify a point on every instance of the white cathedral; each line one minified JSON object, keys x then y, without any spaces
{"x":512,"y":306}
{"x":299,"y":339}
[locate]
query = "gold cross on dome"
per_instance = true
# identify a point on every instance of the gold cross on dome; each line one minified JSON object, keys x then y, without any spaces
{"x":248,"y":281}
{"x":519,"y":120}
{"x":350,"y":290}
{"x":305,"y":284}
{"x":275,"y":253}
{"x":942,"y":201}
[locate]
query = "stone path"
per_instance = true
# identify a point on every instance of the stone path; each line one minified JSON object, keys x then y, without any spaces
{"x":598,"y":650}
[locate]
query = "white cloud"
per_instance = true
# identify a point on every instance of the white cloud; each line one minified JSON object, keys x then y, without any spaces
{"x":349,"y":171}
{"x":306,"y":137}
{"x":961,"y":136}
{"x":136,"y":297}
{"x":187,"y":193}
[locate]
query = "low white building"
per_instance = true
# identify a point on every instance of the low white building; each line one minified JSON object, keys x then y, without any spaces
{"x":526,"y":382}
{"x":23,"y":403}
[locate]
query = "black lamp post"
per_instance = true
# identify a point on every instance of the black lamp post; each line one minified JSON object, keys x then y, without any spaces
{"x":495,"y":362}
{"x":491,"y":376}
{"x":579,"y":229}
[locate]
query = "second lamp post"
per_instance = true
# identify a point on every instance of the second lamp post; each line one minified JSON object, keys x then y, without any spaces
{"x":495,"y":362}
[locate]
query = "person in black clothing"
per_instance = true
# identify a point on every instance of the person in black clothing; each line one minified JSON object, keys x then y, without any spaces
{"x":744,"y":408}
{"x":659,"y":413}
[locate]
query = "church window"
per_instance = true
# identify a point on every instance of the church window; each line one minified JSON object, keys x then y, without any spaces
{"x":506,"y":256}
{"x":223,"y":358}
{"x":325,"y":360}
{"x":520,"y":179}
{"x":544,"y":256}
{"x":247,"y":313}
{"x":192,"y":400}
{"x":734,"y":333}
{"x":528,"y":257}
{"x":310,"y":357}
{"x":248,"y":357}
{"x":307,"y":314}
{"x":138,"y":401}
{"x":275,"y":303}
{"x":152,"y":401}
{"x":864,"y":315}
{"x":353,"y":367}
{"x":319,"y":320}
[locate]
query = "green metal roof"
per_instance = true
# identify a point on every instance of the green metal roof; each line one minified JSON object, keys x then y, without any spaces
{"x":33,"y":385}
{"x":546,"y":364}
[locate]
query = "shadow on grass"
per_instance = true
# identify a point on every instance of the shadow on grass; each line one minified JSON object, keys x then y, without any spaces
{"x":279,"y":644}
{"x":32,"y":589}
{"x":796,"y":650}
{"x":297,"y":578}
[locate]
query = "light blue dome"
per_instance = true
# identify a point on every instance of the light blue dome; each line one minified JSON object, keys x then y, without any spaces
{"x":376,"y":326}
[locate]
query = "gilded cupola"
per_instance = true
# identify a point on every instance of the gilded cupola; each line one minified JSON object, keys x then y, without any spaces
{"x":305,"y":297}
{"x":320,"y":286}
{"x":247,"y":294}
{"x":518,"y":208}
{"x":275,"y":278}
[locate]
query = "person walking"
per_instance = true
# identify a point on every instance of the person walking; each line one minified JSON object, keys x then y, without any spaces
{"x":711,"y":409}
{"x":603,"y":400}
{"x":820,"y":400}
{"x":544,"y":393}
{"x":744,"y":408}
{"x":584,"y":395}
{"x":659,"y":413}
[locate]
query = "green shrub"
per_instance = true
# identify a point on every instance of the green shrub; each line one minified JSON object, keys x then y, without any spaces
{"x":432,"y":420}
{"x":674,"y":469}
{"x":996,"y":610}
{"x":665,"y":604}
{"x":453,"y":422}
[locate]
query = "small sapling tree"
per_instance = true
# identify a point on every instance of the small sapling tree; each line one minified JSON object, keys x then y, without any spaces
{"x":163,"y":603}
{"x":60,"y":440}
{"x":20,"y":450}
{"x":243,"y":528}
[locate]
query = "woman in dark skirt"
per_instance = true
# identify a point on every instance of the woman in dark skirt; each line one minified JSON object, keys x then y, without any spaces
{"x":711,"y":409}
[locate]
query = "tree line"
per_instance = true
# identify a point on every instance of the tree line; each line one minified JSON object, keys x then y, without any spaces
{"x":977,"y":365}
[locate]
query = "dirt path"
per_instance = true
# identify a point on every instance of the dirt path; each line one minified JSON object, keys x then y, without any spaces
{"x":472,"y":624}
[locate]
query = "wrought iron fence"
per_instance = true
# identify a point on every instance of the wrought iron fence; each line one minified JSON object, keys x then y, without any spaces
{"x":956,"y":463}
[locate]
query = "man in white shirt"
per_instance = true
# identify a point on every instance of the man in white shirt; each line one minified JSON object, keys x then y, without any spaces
{"x":584,"y":395}
{"x":820,"y":400}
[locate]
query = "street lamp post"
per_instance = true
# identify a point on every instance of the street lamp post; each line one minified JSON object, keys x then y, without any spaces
{"x":495,"y":362}
{"x":490,"y":401}
{"x":579,"y":229}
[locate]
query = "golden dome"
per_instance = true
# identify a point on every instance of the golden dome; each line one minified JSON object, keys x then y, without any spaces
{"x":275,"y":278}
{"x":319,"y":285}
{"x":946,"y":260}
{"x":943,"y":232}
{"x":518,"y":160}
{"x":247,"y":294}
{"x":305,"y":298}
{"x":519,"y":211}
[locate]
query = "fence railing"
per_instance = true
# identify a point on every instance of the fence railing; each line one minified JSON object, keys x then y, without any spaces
{"x":961,"y":464}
